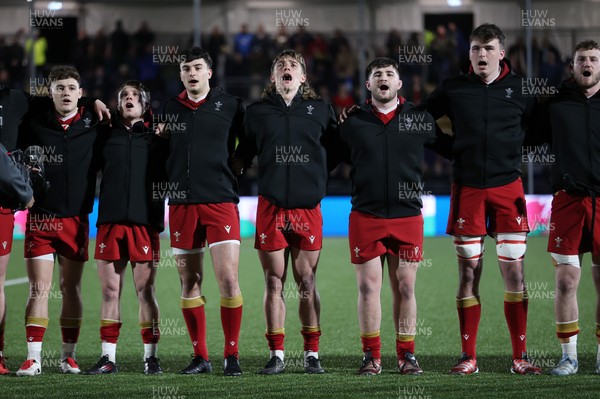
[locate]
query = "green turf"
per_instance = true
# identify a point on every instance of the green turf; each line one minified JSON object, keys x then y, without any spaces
{"x":438,"y":342}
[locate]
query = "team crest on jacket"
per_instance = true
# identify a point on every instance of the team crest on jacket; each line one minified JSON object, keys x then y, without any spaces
{"x":509,"y":92}
{"x":309,"y":109}
{"x":218,"y":106}
{"x":87,"y":122}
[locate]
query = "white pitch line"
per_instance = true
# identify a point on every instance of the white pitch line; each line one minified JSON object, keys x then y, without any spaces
{"x":15,"y":281}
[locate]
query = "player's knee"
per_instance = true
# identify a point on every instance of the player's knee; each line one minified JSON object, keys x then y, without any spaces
{"x":566,"y":285}
{"x":468,"y":248}
{"x":274,"y":284}
{"x":406,"y":288}
{"x":306,"y":282}
{"x":511,"y":247}
{"x":110,"y":293}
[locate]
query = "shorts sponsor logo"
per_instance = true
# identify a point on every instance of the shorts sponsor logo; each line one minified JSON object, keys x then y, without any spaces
{"x":557,"y":242}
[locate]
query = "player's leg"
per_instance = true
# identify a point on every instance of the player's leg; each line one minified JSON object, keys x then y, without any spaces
{"x":71,"y":272}
{"x":223,"y":236}
{"x":39,"y":272}
{"x":469,"y":251}
{"x":190,"y":268}
{"x":144,"y":274}
{"x":369,"y":277}
{"x":6,"y":233}
{"x":566,"y":312}
{"x":274,"y":269}
{"x":111,"y":275}
{"x":187,"y":240}
{"x":304,"y":266}
{"x":225,"y":257}
{"x":403,"y":276}
{"x":596,"y":277}
{"x":510,"y":248}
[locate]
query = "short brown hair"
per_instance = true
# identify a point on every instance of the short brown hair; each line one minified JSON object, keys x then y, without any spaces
{"x":586,"y":45}
{"x":485,"y":33}
{"x":61,"y":72}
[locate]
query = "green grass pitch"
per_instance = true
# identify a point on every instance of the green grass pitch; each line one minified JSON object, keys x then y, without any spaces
{"x":438,"y":343}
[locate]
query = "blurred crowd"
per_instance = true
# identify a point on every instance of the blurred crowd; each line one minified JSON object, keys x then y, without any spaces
{"x":241,"y":63}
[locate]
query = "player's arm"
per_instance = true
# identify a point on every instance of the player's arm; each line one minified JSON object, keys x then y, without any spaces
{"x":246,"y":148}
{"x":15,"y":191}
{"x":336,"y":150}
{"x":236,"y":137}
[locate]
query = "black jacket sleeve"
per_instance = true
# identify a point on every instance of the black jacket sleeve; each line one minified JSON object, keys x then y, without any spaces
{"x":246,"y":149}
{"x":332,"y":142}
{"x":15,"y":192}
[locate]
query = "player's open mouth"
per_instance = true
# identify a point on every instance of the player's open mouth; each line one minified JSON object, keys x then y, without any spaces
{"x":384,"y":87}
{"x":587,"y":73}
{"x":286,"y":77}
{"x":482,"y":63}
{"x":128,"y":105}
{"x":193,"y":81}
{"x":66,"y":101}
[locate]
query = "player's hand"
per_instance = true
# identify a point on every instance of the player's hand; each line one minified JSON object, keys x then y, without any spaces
{"x":160,"y":131}
{"x":345,"y":112}
{"x":102,"y":111}
{"x":237,"y":165}
{"x":30,"y":203}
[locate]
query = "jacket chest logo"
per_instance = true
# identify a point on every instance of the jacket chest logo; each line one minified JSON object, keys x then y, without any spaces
{"x":309,"y":110}
{"x":87,"y":122}
{"x":509,"y":92}
{"x":218,"y":105}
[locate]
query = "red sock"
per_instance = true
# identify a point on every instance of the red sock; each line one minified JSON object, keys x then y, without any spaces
{"x":516,"y":318}
{"x":35,"y":333}
{"x":311,"y":340}
{"x":469,"y":325}
{"x":275,"y":341}
{"x":373,"y":345}
{"x":150,"y":335}
{"x":195,"y":320}
{"x":110,"y":332}
{"x":404,"y":346}
{"x":70,"y":335}
{"x":231,"y":320}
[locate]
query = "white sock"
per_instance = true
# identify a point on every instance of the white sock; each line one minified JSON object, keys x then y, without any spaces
{"x":311,"y":353}
{"x":109,"y":349}
{"x":149,"y":350}
{"x":277,"y":353}
{"x":68,"y":350}
{"x":34,"y":351}
{"x":570,"y":348}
